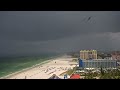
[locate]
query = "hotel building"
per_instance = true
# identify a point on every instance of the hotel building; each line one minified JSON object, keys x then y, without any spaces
{"x":88,"y":54}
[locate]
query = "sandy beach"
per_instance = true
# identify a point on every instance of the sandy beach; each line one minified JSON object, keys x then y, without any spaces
{"x":44,"y":71}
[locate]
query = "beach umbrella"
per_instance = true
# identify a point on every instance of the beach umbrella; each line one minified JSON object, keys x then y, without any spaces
{"x":54,"y":76}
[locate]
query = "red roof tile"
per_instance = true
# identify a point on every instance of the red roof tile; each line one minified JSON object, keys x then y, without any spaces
{"x":75,"y":76}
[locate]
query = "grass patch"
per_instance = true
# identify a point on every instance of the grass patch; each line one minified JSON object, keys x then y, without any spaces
{"x":69,"y":72}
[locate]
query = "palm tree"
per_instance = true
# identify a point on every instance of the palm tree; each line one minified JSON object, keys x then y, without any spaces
{"x":102,"y":71}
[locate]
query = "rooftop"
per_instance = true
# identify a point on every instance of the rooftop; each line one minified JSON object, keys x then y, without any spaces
{"x":75,"y":76}
{"x":87,"y":50}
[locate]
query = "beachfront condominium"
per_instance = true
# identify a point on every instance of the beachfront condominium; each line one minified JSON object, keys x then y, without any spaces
{"x":88,"y":54}
{"x":98,"y":63}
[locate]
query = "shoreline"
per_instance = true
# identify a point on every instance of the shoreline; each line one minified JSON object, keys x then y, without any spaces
{"x":25,"y":69}
{"x":43,"y":70}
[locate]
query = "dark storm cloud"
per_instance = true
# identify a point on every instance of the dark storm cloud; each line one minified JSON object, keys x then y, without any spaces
{"x":54,"y":25}
{"x":50,"y":31}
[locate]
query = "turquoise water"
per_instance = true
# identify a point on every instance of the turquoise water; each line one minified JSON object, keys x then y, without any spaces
{"x":9,"y":65}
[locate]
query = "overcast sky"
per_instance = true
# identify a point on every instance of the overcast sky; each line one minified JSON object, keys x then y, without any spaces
{"x":35,"y":32}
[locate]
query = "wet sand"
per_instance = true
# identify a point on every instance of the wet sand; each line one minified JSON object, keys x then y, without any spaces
{"x":44,"y":71}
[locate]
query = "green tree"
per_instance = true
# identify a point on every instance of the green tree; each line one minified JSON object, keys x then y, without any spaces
{"x":102,"y":71}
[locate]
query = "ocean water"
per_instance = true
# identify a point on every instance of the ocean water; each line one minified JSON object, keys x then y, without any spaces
{"x":10,"y":65}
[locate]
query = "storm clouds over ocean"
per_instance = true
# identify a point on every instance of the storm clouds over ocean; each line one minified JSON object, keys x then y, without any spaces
{"x":34,"y":32}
